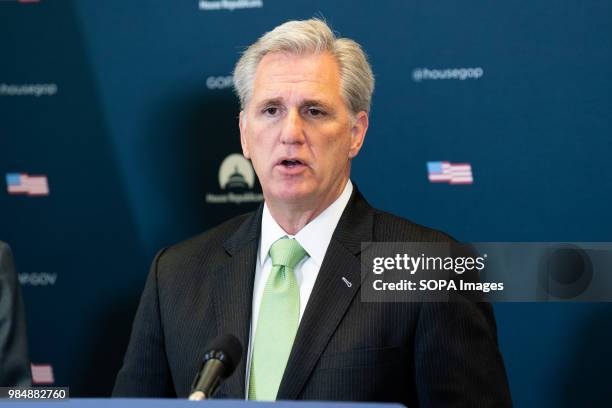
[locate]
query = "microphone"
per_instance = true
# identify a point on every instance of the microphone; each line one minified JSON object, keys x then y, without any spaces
{"x":219,"y":362}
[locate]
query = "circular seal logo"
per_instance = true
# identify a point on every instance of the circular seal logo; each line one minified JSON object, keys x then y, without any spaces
{"x":236,"y":172}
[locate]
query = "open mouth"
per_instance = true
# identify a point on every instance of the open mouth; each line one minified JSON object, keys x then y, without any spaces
{"x":291,"y":163}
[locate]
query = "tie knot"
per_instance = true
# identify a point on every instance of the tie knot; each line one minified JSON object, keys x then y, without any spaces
{"x":286,"y":252}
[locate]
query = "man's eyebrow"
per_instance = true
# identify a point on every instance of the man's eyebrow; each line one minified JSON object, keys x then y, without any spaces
{"x":304,"y":103}
{"x":270,"y":101}
{"x":317,"y":102}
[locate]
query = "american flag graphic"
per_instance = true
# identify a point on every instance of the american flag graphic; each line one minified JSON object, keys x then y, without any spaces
{"x":452,"y":173}
{"x":42,"y":374}
{"x":22,"y":183}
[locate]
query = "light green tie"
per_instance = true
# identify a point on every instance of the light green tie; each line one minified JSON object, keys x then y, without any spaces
{"x":278,"y":320}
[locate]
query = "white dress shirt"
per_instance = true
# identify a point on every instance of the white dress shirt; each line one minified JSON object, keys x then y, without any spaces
{"x":314,"y":237}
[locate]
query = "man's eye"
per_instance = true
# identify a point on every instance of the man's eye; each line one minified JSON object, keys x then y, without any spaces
{"x":271,"y":110}
{"x":315,"y":112}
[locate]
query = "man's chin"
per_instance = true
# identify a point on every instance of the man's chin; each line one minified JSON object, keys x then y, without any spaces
{"x":290,"y":195}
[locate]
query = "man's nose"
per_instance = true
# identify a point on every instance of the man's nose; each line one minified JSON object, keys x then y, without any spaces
{"x":293,"y":128}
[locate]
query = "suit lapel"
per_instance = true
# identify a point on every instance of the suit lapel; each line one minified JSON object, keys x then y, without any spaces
{"x":331,"y":296}
{"x":234,"y":294}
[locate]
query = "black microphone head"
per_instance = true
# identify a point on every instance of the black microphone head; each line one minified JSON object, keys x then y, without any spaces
{"x":227,"y":349}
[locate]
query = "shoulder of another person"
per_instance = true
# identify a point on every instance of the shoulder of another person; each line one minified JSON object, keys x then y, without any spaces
{"x":4,"y":248}
{"x":5,"y":257}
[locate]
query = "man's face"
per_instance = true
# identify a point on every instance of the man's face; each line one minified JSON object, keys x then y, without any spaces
{"x":298,"y":131}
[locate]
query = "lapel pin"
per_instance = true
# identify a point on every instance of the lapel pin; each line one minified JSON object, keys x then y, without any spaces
{"x":348,"y":283}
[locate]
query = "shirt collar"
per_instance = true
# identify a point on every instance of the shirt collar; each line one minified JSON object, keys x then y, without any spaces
{"x":314,"y":237}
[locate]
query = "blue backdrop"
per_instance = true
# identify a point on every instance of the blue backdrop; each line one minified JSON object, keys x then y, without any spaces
{"x":132,"y":113}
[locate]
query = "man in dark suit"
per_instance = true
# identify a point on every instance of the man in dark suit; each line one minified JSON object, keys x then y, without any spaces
{"x":286,"y":279}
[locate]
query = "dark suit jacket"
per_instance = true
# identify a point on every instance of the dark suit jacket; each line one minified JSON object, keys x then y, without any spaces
{"x":418,"y":354}
{"x":14,"y":361}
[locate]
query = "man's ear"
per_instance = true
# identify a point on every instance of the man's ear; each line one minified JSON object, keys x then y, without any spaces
{"x":243,"y":142}
{"x":358,"y":132}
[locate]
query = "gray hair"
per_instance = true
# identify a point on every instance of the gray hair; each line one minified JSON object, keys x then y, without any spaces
{"x":305,"y":37}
